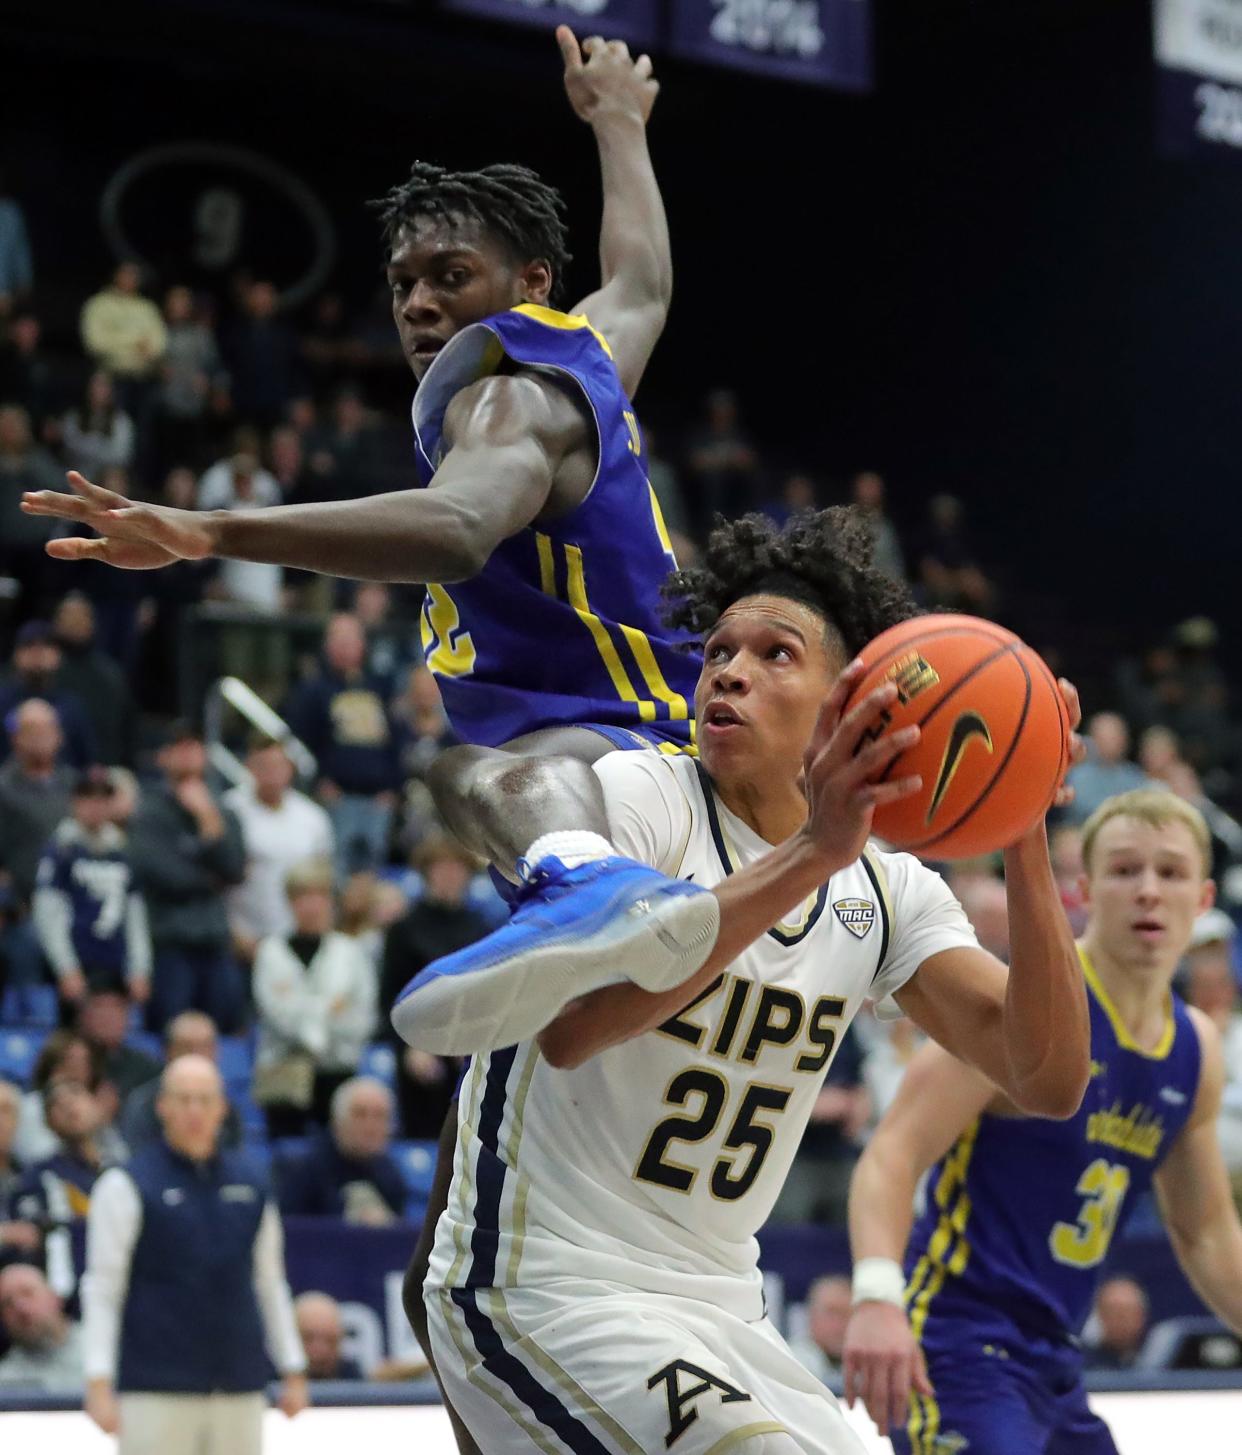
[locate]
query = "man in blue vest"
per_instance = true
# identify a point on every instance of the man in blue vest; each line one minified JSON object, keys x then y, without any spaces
{"x":185,"y":1300}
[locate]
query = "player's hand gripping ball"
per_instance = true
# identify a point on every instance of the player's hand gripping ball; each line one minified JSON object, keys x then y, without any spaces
{"x":997,"y":735}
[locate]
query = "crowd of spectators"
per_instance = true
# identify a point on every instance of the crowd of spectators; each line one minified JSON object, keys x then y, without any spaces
{"x":153,"y":893}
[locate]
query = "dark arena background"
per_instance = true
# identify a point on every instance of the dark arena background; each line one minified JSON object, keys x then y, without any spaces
{"x":977,"y":268}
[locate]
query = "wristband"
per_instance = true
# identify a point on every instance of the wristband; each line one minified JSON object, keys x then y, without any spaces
{"x":880,"y":1280}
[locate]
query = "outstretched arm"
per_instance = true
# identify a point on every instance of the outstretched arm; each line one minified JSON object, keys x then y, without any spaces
{"x":1193,"y":1190}
{"x":507,"y":435}
{"x":614,"y":95}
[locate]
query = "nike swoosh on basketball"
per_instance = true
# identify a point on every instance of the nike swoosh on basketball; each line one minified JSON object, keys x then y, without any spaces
{"x":968,"y":725}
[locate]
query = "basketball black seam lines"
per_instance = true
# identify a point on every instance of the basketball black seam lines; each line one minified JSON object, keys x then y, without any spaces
{"x":1000,"y":767}
{"x":933,"y":710}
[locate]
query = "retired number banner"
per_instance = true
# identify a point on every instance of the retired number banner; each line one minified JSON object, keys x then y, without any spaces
{"x":1199,"y":56}
{"x":824,"y":42}
{"x":635,"y":21}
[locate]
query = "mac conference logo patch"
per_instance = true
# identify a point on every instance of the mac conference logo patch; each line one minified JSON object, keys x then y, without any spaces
{"x":857,"y":915}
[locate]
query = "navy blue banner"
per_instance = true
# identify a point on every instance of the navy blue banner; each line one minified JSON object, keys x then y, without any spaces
{"x":823,"y":42}
{"x":635,"y":21}
{"x":363,"y":1268}
{"x":1199,"y":117}
{"x":1199,"y":58}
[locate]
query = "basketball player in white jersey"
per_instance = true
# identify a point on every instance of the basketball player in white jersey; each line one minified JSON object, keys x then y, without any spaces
{"x":593,"y":1285}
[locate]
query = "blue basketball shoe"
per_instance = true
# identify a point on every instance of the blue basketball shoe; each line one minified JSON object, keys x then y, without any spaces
{"x":574,"y":930}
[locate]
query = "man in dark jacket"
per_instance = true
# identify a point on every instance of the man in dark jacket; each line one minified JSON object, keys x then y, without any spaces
{"x":34,"y":672}
{"x":186,"y":849}
{"x":343,"y":717}
{"x":185,"y":1299}
{"x":96,"y":680}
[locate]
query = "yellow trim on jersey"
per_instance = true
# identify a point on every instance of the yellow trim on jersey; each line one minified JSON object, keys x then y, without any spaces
{"x":923,"y":1426}
{"x":691,"y":749}
{"x":640,"y":648}
{"x":547,"y":566}
{"x":658,"y":516}
{"x":931,"y":1426}
{"x":599,"y":634}
{"x":569,"y":321}
{"x":948,"y":1249}
{"x":1124,"y":1039}
{"x":747,"y":1432}
{"x":914,"y":1425}
{"x":637,"y":641}
{"x":582,"y":1403}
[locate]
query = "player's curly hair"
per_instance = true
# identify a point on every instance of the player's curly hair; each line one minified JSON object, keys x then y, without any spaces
{"x":513,"y":203}
{"x":822,"y":558}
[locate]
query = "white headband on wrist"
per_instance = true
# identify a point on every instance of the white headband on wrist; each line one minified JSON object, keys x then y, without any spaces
{"x":880,"y":1280}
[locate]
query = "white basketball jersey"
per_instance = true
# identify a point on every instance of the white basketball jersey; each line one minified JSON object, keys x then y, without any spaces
{"x":653,"y":1164}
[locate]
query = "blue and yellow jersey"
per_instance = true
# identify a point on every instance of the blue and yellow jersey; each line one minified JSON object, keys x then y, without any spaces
{"x":1021,"y":1212}
{"x":562,"y":624}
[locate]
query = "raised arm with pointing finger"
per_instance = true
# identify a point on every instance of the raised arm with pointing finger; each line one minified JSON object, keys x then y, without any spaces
{"x":516,"y":447}
{"x":538,"y":537}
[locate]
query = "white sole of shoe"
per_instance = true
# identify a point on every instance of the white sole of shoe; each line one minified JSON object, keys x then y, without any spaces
{"x":502,"y":1004}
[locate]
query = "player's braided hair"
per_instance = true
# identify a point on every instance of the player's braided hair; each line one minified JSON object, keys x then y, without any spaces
{"x":822,"y":558}
{"x":515,"y":204}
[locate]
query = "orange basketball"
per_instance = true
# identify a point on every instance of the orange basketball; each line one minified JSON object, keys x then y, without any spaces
{"x":996,"y":734}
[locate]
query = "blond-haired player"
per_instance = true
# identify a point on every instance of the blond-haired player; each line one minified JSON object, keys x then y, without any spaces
{"x":977,"y":1339}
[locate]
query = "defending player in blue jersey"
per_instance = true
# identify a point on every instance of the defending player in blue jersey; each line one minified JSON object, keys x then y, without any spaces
{"x":980,"y":1349}
{"x":540,"y":505}
{"x":539,"y":536}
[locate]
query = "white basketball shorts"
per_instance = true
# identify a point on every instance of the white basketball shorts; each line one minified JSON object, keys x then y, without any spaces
{"x":597,"y":1369}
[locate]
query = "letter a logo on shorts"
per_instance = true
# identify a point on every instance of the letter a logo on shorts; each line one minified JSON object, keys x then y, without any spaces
{"x":680,"y":1418}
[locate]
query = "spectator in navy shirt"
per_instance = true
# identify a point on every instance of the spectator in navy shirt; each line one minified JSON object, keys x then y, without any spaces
{"x":88,"y":912}
{"x":33,"y":673}
{"x":349,"y":1173}
{"x":344,"y":719}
